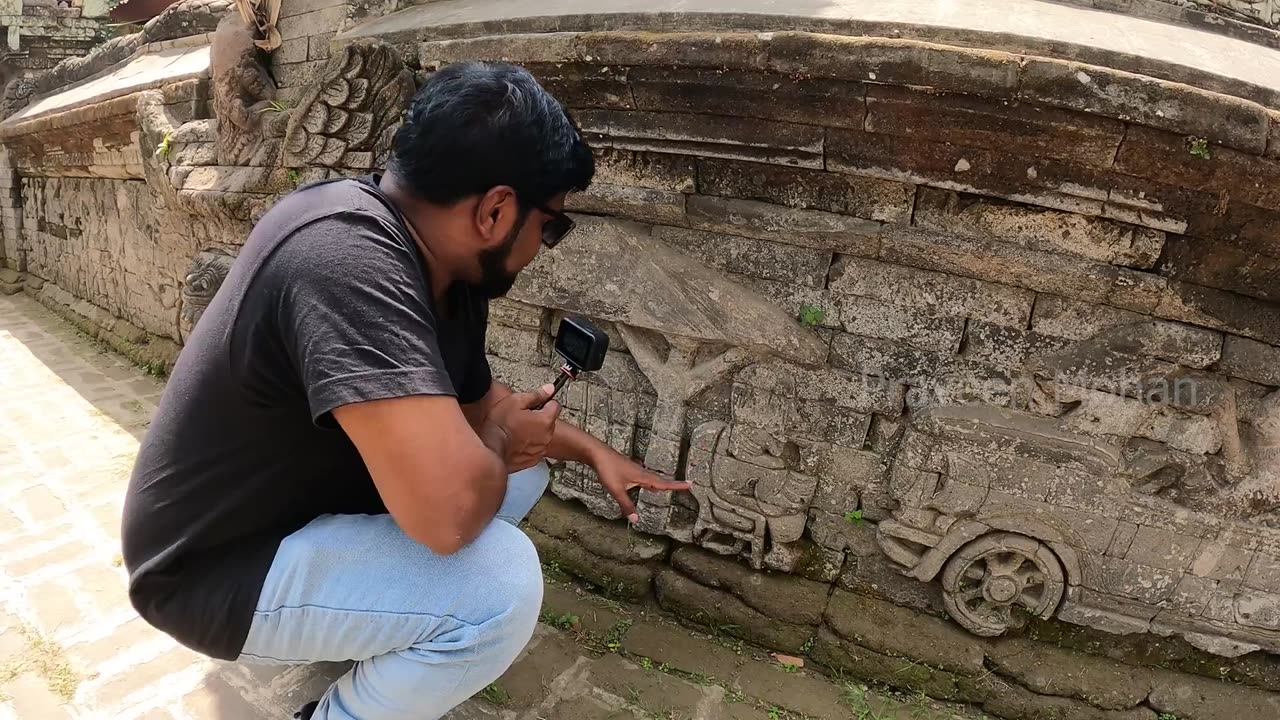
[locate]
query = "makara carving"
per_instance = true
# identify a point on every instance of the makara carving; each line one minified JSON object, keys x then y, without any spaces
{"x":352,"y":113}
{"x":208,"y":271}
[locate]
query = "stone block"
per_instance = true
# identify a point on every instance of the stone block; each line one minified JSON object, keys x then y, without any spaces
{"x":1220,"y":310}
{"x":857,"y":392}
{"x":1188,"y":696}
{"x":868,"y":572}
{"x":748,"y":256}
{"x":791,"y":599}
{"x":293,"y":50}
{"x":717,"y":608}
{"x":631,"y":203}
{"x":1223,"y":265}
{"x":736,"y":93}
{"x":1251,"y":360}
{"x":1129,"y":579}
{"x":937,"y":294}
{"x":627,"y":580}
{"x":716,"y":50}
{"x":584,"y":86}
{"x":655,"y":171}
{"x":1041,"y":229}
{"x":305,"y":24}
{"x":778,"y":223}
{"x":1041,"y":181}
{"x":1263,"y":572}
{"x":675,"y":646}
{"x":1167,"y":157}
{"x":888,"y":628}
{"x":828,"y":422}
{"x":318,"y":46}
{"x":300,"y":7}
{"x":1006,"y":347}
{"x":517,"y":314}
{"x":891,"y":360}
{"x":517,"y":345}
{"x":1125,"y":332}
{"x":1048,"y":670}
{"x":1101,"y":413}
{"x":864,"y":316}
{"x":710,"y":136}
{"x":875,"y":199}
{"x":1146,"y":100}
{"x":1162,"y":549}
{"x":1012,"y":127}
{"x":1008,"y":700}
{"x":838,"y":654}
{"x":895,"y":62}
{"x":1219,"y":561}
{"x":608,"y":539}
{"x":999,"y":262}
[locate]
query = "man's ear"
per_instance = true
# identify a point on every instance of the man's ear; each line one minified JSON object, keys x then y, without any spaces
{"x":496,"y":214}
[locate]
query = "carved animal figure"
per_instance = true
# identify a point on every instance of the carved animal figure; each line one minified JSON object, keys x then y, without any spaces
{"x":242,"y":89}
{"x":353,"y":109}
{"x":208,"y":270}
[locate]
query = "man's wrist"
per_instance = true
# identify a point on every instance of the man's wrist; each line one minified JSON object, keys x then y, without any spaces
{"x":495,"y":438}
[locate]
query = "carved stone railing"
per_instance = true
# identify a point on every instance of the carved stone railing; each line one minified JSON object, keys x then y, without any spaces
{"x":964,"y":332}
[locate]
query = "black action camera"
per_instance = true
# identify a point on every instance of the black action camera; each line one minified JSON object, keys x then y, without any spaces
{"x":583,"y":347}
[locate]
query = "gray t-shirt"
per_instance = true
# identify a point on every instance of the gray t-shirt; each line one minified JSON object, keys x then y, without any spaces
{"x":327,"y":304}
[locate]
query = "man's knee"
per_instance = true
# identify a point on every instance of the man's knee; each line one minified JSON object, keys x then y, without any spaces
{"x":511,"y":576}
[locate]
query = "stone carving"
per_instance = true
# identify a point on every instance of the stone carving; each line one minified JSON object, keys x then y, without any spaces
{"x":1262,"y":12}
{"x":1019,"y":517}
{"x":208,"y":270}
{"x":242,"y":90}
{"x":740,"y":503}
{"x":353,"y":111}
{"x":688,"y":327}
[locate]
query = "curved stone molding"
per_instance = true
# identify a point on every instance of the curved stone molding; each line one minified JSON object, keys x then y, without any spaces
{"x":353,"y":110}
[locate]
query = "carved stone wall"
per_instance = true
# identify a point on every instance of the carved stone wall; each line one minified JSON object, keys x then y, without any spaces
{"x":971,"y":356}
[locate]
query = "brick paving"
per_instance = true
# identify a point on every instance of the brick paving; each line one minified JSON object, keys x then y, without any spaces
{"x":71,"y":415}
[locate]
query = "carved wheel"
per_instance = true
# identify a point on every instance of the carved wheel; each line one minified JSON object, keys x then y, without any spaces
{"x":993,"y":583}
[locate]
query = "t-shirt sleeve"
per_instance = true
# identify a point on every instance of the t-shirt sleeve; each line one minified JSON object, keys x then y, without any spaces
{"x":355,"y":316}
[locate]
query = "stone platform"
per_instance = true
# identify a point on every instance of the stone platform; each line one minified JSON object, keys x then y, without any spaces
{"x":71,"y":415}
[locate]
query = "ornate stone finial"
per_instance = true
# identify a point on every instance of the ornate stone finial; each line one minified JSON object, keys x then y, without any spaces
{"x":208,"y":270}
{"x":242,"y":89}
{"x":353,"y":111}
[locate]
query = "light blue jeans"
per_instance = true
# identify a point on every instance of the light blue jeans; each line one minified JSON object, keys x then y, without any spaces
{"x":427,"y":631}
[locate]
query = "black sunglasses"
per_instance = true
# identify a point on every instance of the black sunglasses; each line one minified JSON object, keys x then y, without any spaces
{"x":555,"y":229}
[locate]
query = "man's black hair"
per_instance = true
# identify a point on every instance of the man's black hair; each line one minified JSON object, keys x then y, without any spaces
{"x":474,"y":126}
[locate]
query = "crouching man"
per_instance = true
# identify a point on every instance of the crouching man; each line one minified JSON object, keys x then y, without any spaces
{"x":332,"y":473}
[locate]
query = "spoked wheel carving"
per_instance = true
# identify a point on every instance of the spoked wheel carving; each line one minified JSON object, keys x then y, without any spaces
{"x":993,"y":583}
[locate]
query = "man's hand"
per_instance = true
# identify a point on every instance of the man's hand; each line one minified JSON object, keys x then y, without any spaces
{"x":618,"y":474}
{"x":519,"y":434}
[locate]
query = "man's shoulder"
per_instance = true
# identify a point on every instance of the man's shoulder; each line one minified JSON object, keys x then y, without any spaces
{"x":343,"y":198}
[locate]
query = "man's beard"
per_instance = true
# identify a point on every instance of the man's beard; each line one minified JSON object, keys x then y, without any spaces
{"x":495,"y":282}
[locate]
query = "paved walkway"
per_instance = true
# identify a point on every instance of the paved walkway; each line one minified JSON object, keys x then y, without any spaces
{"x":71,"y":415}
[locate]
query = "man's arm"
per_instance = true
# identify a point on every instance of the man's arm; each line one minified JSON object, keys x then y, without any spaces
{"x":618,"y":474}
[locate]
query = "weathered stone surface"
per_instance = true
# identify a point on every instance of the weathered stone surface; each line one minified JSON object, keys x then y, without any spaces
{"x":517,"y":314}
{"x":643,"y":270}
{"x":1222,"y":265}
{"x":828,"y":422}
{"x":631,"y":203}
{"x":584,"y":86}
{"x":894,"y":630}
{"x":786,"y":98}
{"x":1042,"y":181}
{"x":778,"y":223}
{"x":748,"y":256}
{"x":895,"y":62}
{"x":1167,"y":157}
{"x":1155,"y":103}
{"x":1047,"y":670}
{"x":627,"y":580}
{"x":857,"y":392}
{"x":1250,"y":360}
{"x":1005,"y":347}
{"x":837,"y":653}
{"x":1011,"y":127}
{"x":1011,"y":701}
{"x":1239,"y":314}
{"x":868,"y":572}
{"x":999,"y":262}
{"x":1038,"y":228}
{"x":655,"y":171}
{"x":1193,"y":697}
{"x":790,"y":599}
{"x":611,"y":540}
{"x":1102,"y":413}
{"x":709,"y":136}
{"x":938,"y":294}
{"x":1126,"y":332}
{"x":881,"y":200}
{"x":872,"y":318}
{"x":720,"y":609}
